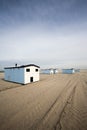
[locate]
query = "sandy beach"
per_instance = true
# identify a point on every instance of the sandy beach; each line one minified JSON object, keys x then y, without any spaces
{"x":56,"y":102}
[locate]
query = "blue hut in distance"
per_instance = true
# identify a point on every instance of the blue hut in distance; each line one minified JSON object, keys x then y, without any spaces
{"x":49,"y":71}
{"x":68,"y":71}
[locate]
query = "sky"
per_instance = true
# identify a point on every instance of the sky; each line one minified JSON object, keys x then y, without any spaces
{"x":49,"y":33}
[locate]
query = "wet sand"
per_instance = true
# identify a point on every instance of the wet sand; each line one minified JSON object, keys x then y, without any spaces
{"x":56,"y":102}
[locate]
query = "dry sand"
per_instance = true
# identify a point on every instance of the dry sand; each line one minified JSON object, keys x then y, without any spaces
{"x":56,"y":102}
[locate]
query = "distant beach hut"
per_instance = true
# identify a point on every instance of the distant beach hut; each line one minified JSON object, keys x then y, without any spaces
{"x":68,"y":71}
{"x":22,"y":74}
{"x":77,"y":70}
{"x":47,"y":71}
{"x":55,"y":71}
{"x":51,"y":71}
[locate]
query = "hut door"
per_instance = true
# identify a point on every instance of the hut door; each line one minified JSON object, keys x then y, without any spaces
{"x":31,"y":79}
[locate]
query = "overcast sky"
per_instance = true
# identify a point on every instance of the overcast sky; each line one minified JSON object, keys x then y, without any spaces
{"x":44,"y":32}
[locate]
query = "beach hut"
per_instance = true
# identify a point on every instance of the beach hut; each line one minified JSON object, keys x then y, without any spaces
{"x":77,"y":70}
{"x":22,"y":74}
{"x":68,"y":71}
{"x":51,"y":71}
{"x":47,"y":71}
{"x":55,"y":71}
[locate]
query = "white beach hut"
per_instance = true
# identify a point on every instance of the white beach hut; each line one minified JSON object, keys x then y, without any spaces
{"x":22,"y":74}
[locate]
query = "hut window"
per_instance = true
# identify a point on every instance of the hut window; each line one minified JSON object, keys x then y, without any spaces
{"x":36,"y":70}
{"x":27,"y":70}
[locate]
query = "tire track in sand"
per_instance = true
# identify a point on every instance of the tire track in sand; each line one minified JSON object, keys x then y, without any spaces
{"x":53,"y":115}
{"x":75,"y":112}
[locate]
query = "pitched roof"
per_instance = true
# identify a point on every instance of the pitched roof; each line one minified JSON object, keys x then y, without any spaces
{"x":23,"y":66}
